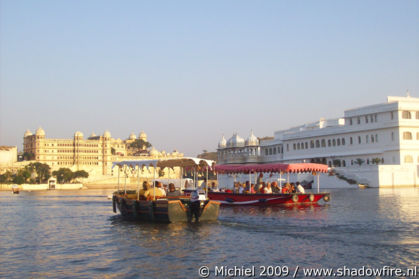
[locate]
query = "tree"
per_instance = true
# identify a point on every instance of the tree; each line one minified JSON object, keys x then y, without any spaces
{"x":28,"y":156}
{"x":80,"y":174}
{"x":376,"y":161}
{"x":140,"y":144}
{"x":43,"y":171}
{"x":63,"y":175}
{"x":359,"y":161}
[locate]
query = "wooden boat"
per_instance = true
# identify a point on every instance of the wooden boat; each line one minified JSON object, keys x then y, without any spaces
{"x":271,"y":199}
{"x":15,"y":189}
{"x":163,"y":209}
{"x":173,"y":209}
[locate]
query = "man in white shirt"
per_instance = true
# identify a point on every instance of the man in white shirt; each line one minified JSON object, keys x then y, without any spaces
{"x":300,"y":188}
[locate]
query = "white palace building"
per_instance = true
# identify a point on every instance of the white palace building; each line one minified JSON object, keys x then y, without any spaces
{"x":375,"y":145}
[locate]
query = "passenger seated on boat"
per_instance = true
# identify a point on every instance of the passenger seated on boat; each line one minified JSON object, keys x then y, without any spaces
{"x":275,"y":188}
{"x":172,"y":191}
{"x":252,"y":189}
{"x":241,"y":188}
{"x":259,"y":188}
{"x":267,"y":189}
{"x":213,"y":188}
{"x":292,"y":189}
{"x":157,"y":192}
{"x":286,"y":189}
{"x":228,"y":191}
{"x":300,"y":188}
{"x":146,"y":186}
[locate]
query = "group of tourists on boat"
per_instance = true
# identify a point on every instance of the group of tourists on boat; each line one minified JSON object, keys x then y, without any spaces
{"x":149,"y":192}
{"x":265,"y":188}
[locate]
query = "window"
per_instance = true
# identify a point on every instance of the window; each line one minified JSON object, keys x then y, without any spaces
{"x":343,"y":141}
{"x":366,"y":139}
{"x":366,"y":118}
{"x":329,"y":143}
{"x":338,"y":141}
{"x":372,"y":118}
{"x":350,"y":121}
{"x":392,"y":136}
{"x":358,"y":120}
{"x":334,"y":142}
{"x":323,"y":143}
{"x":266,"y":152}
{"x":372,"y":138}
{"x":406,"y":114}
{"x":359,"y":139}
{"x":288,"y":147}
{"x":351,"y":140}
{"x":298,"y":146}
{"x":407,"y":135}
{"x":375,"y":117}
{"x":312,"y":144}
{"x":293,"y":146}
{"x":391,"y":115}
{"x":306,"y":145}
{"x":376,"y":138}
{"x":408,"y":159}
{"x":317,"y":143}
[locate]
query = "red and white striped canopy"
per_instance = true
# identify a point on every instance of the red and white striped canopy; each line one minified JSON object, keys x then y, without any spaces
{"x":275,"y":167}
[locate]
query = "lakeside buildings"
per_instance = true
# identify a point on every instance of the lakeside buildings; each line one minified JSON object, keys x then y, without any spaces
{"x":94,"y":154}
{"x":377,"y":145}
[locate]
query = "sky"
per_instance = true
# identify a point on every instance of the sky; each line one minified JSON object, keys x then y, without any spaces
{"x":188,"y":72}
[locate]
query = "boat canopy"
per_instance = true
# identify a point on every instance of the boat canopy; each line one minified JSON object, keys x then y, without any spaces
{"x":273,"y":167}
{"x":185,"y":162}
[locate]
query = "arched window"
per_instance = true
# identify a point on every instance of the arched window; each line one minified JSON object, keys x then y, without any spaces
{"x":408,"y":159}
{"x":323,"y":143}
{"x":407,"y":135}
{"x":351,"y":140}
{"x":334,"y":142}
{"x":343,"y":141}
{"x":329,"y":143}
{"x":312,"y":144}
{"x":406,"y":115}
{"x":317,"y":143}
{"x":338,"y":141}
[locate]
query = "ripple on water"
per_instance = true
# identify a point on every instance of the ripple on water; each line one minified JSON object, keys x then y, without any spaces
{"x":67,"y":235}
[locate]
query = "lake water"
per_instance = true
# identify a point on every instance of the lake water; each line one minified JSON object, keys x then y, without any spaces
{"x":75,"y":234}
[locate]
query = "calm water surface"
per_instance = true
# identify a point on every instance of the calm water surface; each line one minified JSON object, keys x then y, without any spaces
{"x":75,"y":234}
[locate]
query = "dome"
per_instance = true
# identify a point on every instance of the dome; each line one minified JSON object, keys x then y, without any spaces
{"x":252,"y":140}
{"x":92,"y":135}
{"x":143,"y":136}
{"x":132,"y":136}
{"x":40,"y":132}
{"x":235,"y":141}
{"x":154,"y":152}
{"x":78,"y":134}
{"x":107,"y":134}
{"x":28,"y":133}
{"x":222,"y":143}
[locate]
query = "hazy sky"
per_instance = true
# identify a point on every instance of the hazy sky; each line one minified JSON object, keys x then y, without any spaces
{"x":187,"y":72}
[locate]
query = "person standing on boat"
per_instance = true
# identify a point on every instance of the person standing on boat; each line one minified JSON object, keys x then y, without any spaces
{"x":259,"y":179}
{"x":194,"y":206}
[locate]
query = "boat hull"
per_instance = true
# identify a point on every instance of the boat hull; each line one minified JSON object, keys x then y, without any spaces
{"x":162,"y":210}
{"x":268,"y":199}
